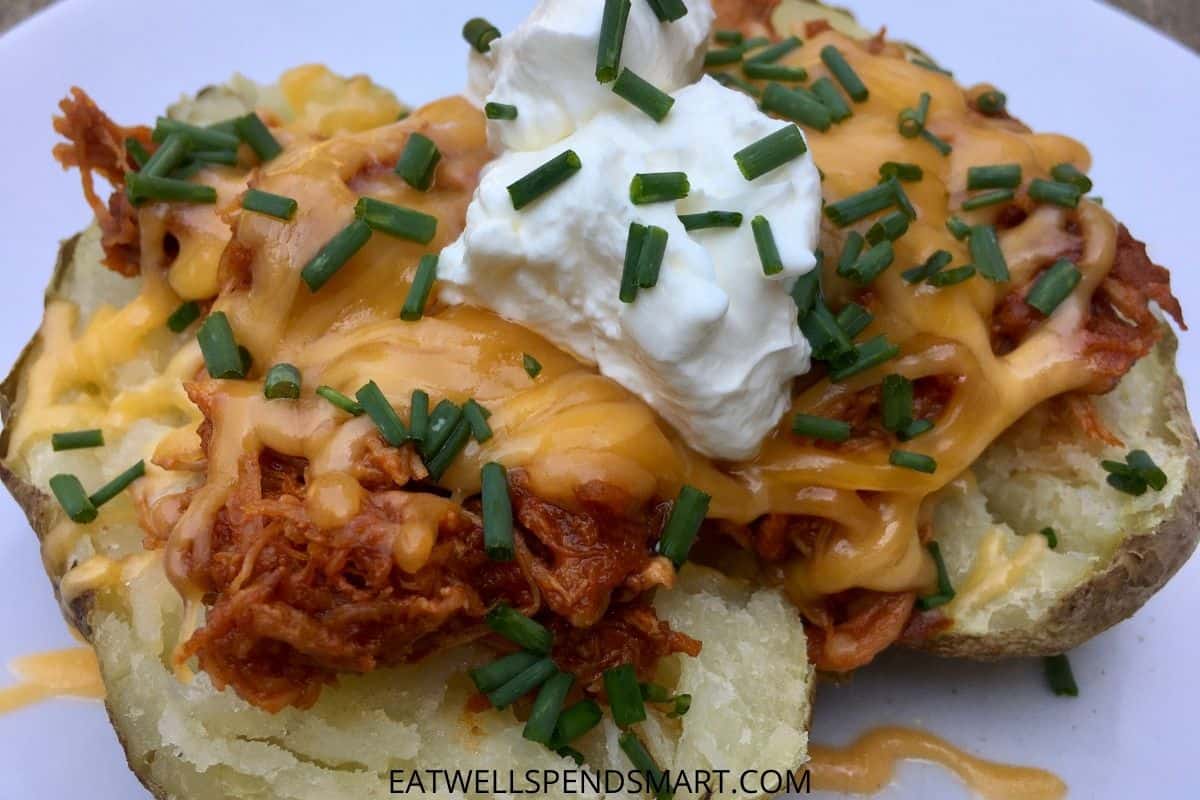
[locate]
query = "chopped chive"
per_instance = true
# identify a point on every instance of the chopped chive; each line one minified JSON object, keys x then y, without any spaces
{"x":418,"y":161}
{"x":77,"y":440}
{"x":73,"y":499}
{"x":755,"y":42}
{"x":773,"y":72}
{"x":711,"y":219}
{"x":117,"y":485}
{"x":442,"y":422}
{"x":845,"y":74}
{"x":942,"y":145}
{"x":228,"y":158}
{"x":455,"y":441}
{"x":945,"y":592}
{"x":480,"y":34}
{"x":987,"y":255}
{"x":805,"y":290}
{"x":951,"y":277}
{"x":862,"y":205}
{"x":776,"y":51}
{"x":889,"y":228}
{"x":912,"y":120}
{"x":282,"y":382}
{"x":612,"y":36}
{"x":902,"y":201}
{"x":932,"y":266}
{"x":650,"y":256}
{"x":658,"y":187}
{"x":958,"y":229}
{"x":867,"y":355}
{"x":901,"y":171}
{"x":255,"y":133}
{"x":476,"y":417}
{"x":422,"y":285}
{"x":185,"y":171}
{"x":668,"y":10}
{"x":497,"y":513}
{"x":1146,"y":469}
{"x":643,"y":762}
{"x":733,"y":82}
{"x":394,"y":220}
{"x":652,"y":101}
{"x":500,"y":111}
{"x":1053,"y":286}
{"x":854,"y":319}
{"x":373,"y":401}
{"x":273,"y":205}
{"x":547,"y":708}
{"x":872,"y":263}
{"x":1056,"y":193}
{"x":770,"y":152}
{"x":728,"y":37}
{"x":992,"y":104}
{"x":831,"y":97}
{"x":986,"y":199}
{"x":557,"y":170}
{"x":624,"y":695}
{"x":823,"y":428}
{"x":828,"y":340}
{"x":523,"y":683}
{"x":576,"y":721}
{"x":996,"y":176}
{"x":418,"y":415}
{"x":182,"y":317}
{"x":339,"y":400}
{"x":219,"y":348}
{"x":1059,"y":676}
{"x":520,"y":629}
{"x":198,"y":138}
{"x":334,"y":255}
{"x":796,"y":107}
{"x":914,"y":429}
{"x":532,"y":366}
{"x":688,"y":512}
{"x":1069,"y":173}
{"x":723,"y":56}
{"x":851,"y":250}
{"x":492,"y":676}
{"x":142,"y":186}
{"x":764,"y":241}
{"x":896,"y":404}
{"x":1129,"y":484}
{"x":137,"y":152}
{"x":169,"y":155}
{"x":1051,"y":537}
{"x":925,"y":63}
{"x":914,"y":461}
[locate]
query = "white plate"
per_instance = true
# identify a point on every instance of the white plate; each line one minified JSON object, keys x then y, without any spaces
{"x":1073,"y":66}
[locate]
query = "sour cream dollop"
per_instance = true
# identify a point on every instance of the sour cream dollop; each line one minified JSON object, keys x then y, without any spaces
{"x":714,"y":346}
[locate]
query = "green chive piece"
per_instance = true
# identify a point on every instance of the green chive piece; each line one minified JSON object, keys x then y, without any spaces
{"x":951,"y":277}
{"x":996,"y":176}
{"x":1056,"y":193}
{"x":831,"y":97}
{"x":764,"y":241}
{"x":902,"y":201}
{"x":169,"y":155}
{"x":867,"y":355}
{"x":914,"y":429}
{"x":688,"y":512}
{"x":273,"y":205}
{"x":117,"y":485}
{"x":650,"y":256}
{"x":77,"y":440}
{"x":796,"y":107}
{"x":805,"y":290}
{"x":776,"y":51}
{"x":523,"y":683}
{"x":492,"y":676}
{"x":612,"y":36}
{"x":711,"y":219}
{"x":872,"y":263}
{"x":219,"y":348}
{"x":1146,"y":469}
{"x":143,"y":187}
{"x":854,"y":319}
{"x":1069,"y":173}
{"x":480,"y":34}
{"x":576,"y":721}
{"x":851,"y":250}
{"x":958,"y":229}
{"x":182,"y":317}
{"x":228,"y":158}
{"x":644,"y":763}
{"x":500,"y":111}
{"x":520,"y":629}
{"x":1053,"y":286}
{"x":845,"y":74}
{"x":862,"y":205}
{"x":73,"y":499}
{"x":986,"y":199}
{"x":945,"y":592}
{"x":987,"y":255}
{"x":992,"y":104}
{"x":184,"y":172}
{"x":925,"y":63}
{"x":942,"y":145}
{"x":624,"y":695}
{"x":334,"y":255}
{"x":1129,"y":484}
{"x":136,"y":152}
{"x":532,"y":366}
{"x":394,"y":220}
{"x":476,"y":417}
{"x":828,"y":340}
{"x":724,"y":56}
{"x":456,"y":440}
{"x":442,"y":422}
{"x":912,"y":121}
{"x":762,"y":71}
{"x":658,"y":187}
{"x":339,"y":400}
{"x":823,"y":428}
{"x":418,"y":161}
{"x":282,"y":382}
{"x":1051,"y":537}
{"x":728,"y":37}
{"x":913,"y":461}
{"x":547,"y":708}
{"x":896,"y":392}
{"x":1059,"y":676}
{"x":418,"y":415}
{"x":254,"y":132}
{"x":651,"y":100}
{"x":375,"y":403}
{"x":755,"y":42}
{"x":770,"y":152}
{"x":932,"y":266}
{"x":497,"y":513}
{"x":546,"y":177}
{"x":422,"y":285}
{"x":198,"y":138}
{"x":901,"y":171}
{"x":733,"y":82}
{"x":668,"y":10}
{"x":888,"y":229}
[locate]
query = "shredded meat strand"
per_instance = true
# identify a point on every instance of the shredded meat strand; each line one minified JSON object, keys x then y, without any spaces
{"x":854,"y":627}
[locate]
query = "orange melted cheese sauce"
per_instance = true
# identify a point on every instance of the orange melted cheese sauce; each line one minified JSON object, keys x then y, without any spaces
{"x":57,"y":673}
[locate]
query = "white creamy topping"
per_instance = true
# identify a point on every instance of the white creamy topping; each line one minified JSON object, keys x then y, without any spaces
{"x":713,"y":348}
